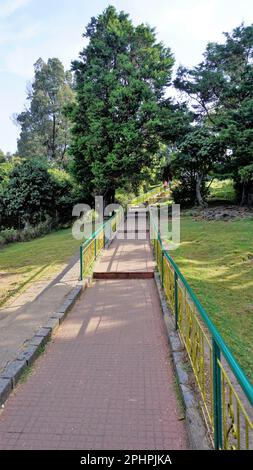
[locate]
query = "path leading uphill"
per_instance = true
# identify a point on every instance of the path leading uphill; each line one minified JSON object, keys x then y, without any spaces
{"x":106,"y":380}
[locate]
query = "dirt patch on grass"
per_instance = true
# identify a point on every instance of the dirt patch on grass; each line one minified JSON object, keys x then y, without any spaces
{"x":225,"y":213}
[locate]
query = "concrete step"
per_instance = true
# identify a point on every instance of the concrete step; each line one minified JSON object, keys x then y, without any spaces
{"x":123,"y":275}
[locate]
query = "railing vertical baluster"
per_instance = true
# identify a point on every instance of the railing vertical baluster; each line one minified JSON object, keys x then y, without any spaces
{"x":81,"y":262}
{"x":95,"y":248}
{"x":217,"y":404}
{"x":162,"y":268}
{"x":176,"y":299}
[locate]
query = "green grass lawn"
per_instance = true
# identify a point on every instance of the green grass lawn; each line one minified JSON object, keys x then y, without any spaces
{"x":217,"y":260}
{"x":222,"y":190}
{"x":20,"y":263}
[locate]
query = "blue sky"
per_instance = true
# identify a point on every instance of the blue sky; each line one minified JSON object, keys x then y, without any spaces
{"x":30,"y":29}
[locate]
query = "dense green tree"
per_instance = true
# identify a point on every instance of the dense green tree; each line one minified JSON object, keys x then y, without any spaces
{"x":220,"y":91}
{"x":28,"y":195}
{"x":2,"y":156}
{"x":45,"y":128}
{"x":196,"y":156}
{"x":121,"y":79}
{"x":31,"y":192}
{"x":66,"y":194}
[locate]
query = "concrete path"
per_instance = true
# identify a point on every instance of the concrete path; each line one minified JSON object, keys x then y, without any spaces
{"x":126,"y":256}
{"x":130,"y":249}
{"x":106,"y":380}
{"x":24,"y":315}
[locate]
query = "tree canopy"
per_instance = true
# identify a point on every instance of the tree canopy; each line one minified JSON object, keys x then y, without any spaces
{"x":45,"y":128}
{"x":220,"y":92}
{"x":121,"y":79}
{"x":113,"y":122}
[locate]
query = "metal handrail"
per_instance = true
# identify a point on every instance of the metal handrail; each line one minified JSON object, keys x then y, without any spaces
{"x":237,"y":370}
{"x":221,"y":405}
{"x":85,"y":245}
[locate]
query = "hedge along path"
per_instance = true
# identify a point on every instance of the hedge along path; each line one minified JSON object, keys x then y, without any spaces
{"x":106,"y":380}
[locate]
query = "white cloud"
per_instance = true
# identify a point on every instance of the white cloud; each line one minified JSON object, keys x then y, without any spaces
{"x":10,"y":6}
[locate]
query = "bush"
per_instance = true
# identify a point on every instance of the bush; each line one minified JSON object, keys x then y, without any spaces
{"x":8,"y":235}
{"x":123,"y":198}
{"x":28,"y":196}
{"x":11,"y":235}
{"x":33,"y":193}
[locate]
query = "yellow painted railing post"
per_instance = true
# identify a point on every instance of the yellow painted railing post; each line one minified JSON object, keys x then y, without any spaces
{"x":217,"y":404}
{"x":81,"y":262}
{"x":176,"y":299}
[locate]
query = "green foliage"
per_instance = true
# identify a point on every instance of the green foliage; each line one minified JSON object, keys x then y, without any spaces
{"x":246,"y":173}
{"x":33,"y":193}
{"x":221,"y":94}
{"x":66,"y":194}
{"x":184,"y":190}
{"x":2,"y":156}
{"x":120,"y":83}
{"x":5,"y":169}
{"x":222,"y":190}
{"x":12,"y":235}
{"x":197,"y":154}
{"x":45,"y":128}
{"x":28,"y":195}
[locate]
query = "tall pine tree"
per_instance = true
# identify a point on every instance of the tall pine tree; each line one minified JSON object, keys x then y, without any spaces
{"x":45,"y":129}
{"x":121,"y":79}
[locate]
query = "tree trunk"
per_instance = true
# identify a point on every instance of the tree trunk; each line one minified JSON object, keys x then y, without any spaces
{"x":199,"y":197}
{"x":109,"y":197}
{"x":54,"y":138}
{"x":243,"y":199}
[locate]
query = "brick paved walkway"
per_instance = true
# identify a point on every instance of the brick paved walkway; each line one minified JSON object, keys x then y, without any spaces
{"x":106,"y":380}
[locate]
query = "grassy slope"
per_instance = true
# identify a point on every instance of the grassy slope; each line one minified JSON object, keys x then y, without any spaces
{"x":217,"y":260}
{"x":20,"y":262}
{"x":222,"y":190}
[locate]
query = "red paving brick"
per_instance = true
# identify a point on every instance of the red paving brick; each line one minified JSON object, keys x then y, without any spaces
{"x":106,"y":380}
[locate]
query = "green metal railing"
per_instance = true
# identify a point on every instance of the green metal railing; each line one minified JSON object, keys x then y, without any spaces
{"x":226,"y":392}
{"x":91,"y":248}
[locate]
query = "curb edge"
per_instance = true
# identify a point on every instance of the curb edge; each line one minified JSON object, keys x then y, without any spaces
{"x":10,"y":375}
{"x":197,"y":432}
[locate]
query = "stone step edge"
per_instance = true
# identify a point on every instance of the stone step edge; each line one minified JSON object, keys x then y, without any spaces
{"x":124,"y":275}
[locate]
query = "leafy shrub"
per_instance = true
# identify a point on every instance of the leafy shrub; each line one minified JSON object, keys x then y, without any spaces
{"x":32,"y":193}
{"x":28,"y":195}
{"x":11,"y":235}
{"x":123,"y":198}
{"x":8,"y":235}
